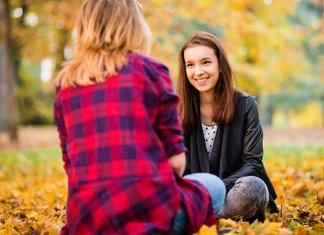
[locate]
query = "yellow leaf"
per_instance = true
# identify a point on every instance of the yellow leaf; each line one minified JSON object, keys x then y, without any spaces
{"x":285,"y":231}
{"x":300,"y":230}
{"x":228,"y":223}
{"x":205,"y":230}
{"x":316,"y":209}
{"x":319,"y":226}
{"x":32,"y":215}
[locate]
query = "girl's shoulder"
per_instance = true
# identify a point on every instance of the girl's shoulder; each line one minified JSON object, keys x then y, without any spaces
{"x":246,"y":97}
{"x":148,"y":67}
{"x":145,"y":60}
{"x":246,"y":101}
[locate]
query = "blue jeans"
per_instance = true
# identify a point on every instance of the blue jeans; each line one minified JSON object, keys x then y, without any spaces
{"x":217,"y":191}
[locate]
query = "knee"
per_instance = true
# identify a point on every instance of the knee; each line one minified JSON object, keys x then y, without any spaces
{"x":219,"y":186}
{"x":252,"y":188}
{"x":214,"y":185}
{"x":210,"y":181}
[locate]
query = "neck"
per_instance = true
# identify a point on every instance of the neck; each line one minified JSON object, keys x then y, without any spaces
{"x":206,"y":108}
{"x":205,"y":98}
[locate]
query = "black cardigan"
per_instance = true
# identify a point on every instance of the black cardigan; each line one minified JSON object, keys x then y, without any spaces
{"x":237,"y":149}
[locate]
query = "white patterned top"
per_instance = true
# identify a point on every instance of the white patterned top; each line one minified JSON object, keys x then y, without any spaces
{"x":209,"y":136}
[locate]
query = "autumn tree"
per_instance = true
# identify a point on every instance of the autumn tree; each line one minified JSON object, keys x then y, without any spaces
{"x":41,"y":32}
{"x":307,"y":19}
{"x":310,"y":17}
{"x":264,"y":46}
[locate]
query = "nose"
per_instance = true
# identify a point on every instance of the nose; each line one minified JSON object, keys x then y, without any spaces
{"x":198,"y":70}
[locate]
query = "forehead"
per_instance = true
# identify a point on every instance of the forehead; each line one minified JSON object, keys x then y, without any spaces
{"x":198,"y":52}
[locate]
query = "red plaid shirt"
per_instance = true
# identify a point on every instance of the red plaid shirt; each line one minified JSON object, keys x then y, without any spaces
{"x":116,"y":138}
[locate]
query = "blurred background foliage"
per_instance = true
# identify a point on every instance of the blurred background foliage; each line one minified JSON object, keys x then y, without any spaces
{"x":275,"y":47}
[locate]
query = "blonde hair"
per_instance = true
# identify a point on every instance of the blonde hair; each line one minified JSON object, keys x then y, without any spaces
{"x":106,"y":31}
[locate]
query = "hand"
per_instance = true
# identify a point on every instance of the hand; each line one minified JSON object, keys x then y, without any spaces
{"x":178,"y":163}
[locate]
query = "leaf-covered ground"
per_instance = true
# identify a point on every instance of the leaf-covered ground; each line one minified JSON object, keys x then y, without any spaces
{"x":33,"y":193}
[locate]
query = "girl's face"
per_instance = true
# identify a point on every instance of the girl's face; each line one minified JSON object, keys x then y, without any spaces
{"x":201,"y":68}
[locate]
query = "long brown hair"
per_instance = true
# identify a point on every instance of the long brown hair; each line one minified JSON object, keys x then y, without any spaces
{"x":106,"y":32}
{"x":225,"y":94}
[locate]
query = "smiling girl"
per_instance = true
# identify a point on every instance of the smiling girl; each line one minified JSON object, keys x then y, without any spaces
{"x":222,"y":129}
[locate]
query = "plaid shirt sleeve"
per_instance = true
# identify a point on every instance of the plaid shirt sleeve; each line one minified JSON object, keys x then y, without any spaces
{"x":168,"y":122}
{"x":58,"y":117}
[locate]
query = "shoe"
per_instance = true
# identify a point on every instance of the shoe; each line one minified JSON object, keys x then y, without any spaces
{"x":259,"y":217}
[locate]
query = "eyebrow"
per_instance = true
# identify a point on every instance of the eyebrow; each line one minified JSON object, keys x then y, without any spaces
{"x":205,"y":58}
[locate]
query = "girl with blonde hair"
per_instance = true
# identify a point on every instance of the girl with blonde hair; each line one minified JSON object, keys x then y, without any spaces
{"x":121,"y":140}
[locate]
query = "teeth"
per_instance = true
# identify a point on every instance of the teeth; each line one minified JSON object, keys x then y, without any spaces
{"x":201,"y":80}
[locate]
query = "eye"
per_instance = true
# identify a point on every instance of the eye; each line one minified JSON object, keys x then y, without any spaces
{"x":206,"y":62}
{"x":189,"y":65}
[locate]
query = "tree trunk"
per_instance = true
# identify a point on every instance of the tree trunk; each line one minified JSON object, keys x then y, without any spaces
{"x":3,"y":90}
{"x":9,"y":113}
{"x":3,"y":84}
